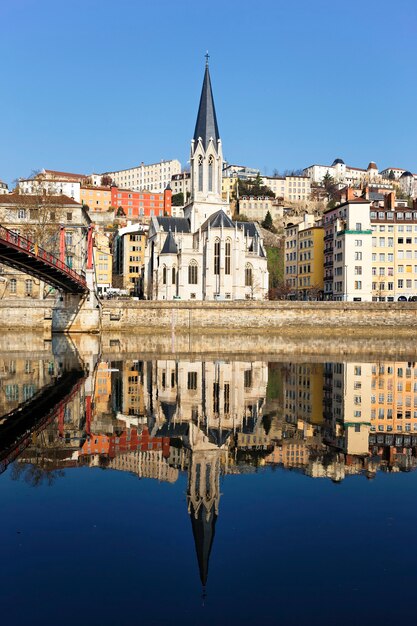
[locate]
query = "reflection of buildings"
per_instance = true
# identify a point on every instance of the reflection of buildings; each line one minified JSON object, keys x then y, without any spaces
{"x":155,"y":419}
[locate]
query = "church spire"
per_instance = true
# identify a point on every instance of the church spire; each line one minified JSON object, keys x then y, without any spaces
{"x":206,"y":125}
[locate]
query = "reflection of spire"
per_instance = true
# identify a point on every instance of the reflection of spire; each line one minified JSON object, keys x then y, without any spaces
{"x":203,"y":495}
{"x":203,"y":524}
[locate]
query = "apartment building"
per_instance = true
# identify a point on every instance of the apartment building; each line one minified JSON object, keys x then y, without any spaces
{"x":347,"y":251}
{"x":289,"y":188}
{"x":129,"y":256}
{"x":141,"y":204}
{"x":3,"y":187}
{"x":54,"y":182}
{"x":40,"y":218}
{"x":256,"y":208}
{"x":96,"y":197}
{"x":181,"y":183}
{"x":154,"y":177}
{"x":394,"y":251}
{"x":304,"y":258}
{"x":344,"y":174}
{"x":103,"y":262}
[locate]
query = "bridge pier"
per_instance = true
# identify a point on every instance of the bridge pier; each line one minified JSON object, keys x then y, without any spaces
{"x":78,"y":313}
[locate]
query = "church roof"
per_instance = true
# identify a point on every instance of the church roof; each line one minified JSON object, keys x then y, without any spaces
{"x":206,"y":124}
{"x":170,"y":246}
{"x":248,"y":228}
{"x":218,"y":220}
{"x":178,"y":224}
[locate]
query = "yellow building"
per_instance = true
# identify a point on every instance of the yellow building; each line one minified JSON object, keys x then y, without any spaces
{"x":103,"y":262}
{"x":96,"y":198}
{"x":304,"y":259}
{"x":394,"y":251}
{"x":394,"y":397}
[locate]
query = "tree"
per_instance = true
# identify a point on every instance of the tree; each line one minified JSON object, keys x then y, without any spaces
{"x":391,"y":175}
{"x":120,"y":212}
{"x":106,"y":180}
{"x":267,"y":222}
{"x":177,"y":199}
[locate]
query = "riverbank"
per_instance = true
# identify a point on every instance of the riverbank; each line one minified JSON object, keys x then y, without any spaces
{"x":266,"y":318}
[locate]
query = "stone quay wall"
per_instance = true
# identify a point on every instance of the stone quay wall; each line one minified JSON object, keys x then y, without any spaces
{"x":270,"y":317}
{"x":300,"y":319}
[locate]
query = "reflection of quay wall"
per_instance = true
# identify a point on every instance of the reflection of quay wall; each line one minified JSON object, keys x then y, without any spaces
{"x":308,"y":346}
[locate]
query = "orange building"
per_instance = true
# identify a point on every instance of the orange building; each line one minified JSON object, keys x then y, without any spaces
{"x":96,"y":198}
{"x":141,"y":204}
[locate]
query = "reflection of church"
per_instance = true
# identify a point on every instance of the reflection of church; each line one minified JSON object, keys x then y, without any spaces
{"x":204,"y":254}
{"x":203,"y":405}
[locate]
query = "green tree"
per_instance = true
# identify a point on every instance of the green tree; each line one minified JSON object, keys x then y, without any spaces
{"x":177,"y":199}
{"x":267,"y":222}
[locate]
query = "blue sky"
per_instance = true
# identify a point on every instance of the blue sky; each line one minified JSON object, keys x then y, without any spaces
{"x":94,"y":85}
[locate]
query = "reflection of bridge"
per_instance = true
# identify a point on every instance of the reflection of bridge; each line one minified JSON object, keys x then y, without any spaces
{"x":26,"y":256}
{"x":18,"y":427}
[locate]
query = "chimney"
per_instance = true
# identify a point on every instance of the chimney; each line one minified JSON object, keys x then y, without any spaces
{"x":389,"y":201}
{"x":350,"y":194}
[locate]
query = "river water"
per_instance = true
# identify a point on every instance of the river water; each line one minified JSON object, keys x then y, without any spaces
{"x":206,"y":490}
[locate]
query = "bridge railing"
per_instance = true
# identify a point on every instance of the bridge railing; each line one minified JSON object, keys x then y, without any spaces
{"x":36,"y":251}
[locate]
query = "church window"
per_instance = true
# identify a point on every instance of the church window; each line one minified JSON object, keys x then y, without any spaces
{"x":164,"y":275}
{"x":192,"y":381}
{"x":248,"y":276}
{"x":193,"y":273}
{"x":217,"y":257}
{"x":226,"y":406}
{"x":210,"y":172}
{"x":227,"y":258}
{"x":216,"y":397}
{"x":200,"y":173}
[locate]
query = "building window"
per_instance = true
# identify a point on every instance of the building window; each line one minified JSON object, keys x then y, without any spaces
{"x":193,"y":273}
{"x":248,"y":276}
{"x":13,"y":284}
{"x":174,"y":275}
{"x":164,"y":275}
{"x":217,"y":257}
{"x":28,"y":287}
{"x":227,"y":258}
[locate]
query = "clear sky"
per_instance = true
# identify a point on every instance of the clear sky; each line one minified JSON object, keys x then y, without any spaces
{"x":93,"y":85}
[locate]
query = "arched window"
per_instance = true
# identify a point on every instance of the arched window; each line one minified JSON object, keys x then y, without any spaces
{"x":164,"y":275}
{"x":200,"y":173}
{"x":227,"y":249}
{"x":193,"y":273}
{"x":248,"y":275}
{"x":210,"y":172}
{"x":174,"y":275}
{"x":217,"y":256}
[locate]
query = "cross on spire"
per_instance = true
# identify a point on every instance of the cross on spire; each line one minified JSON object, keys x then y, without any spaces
{"x":207,"y":58}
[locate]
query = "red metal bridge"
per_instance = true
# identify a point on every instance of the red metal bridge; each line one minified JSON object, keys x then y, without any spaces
{"x":26,"y":256}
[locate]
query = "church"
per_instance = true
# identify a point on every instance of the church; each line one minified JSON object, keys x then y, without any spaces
{"x":205,"y":255}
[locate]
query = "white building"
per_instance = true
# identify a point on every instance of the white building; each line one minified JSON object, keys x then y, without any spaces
{"x":408,"y":184}
{"x":3,"y":187}
{"x":54,"y":183}
{"x":344,"y":174}
{"x":347,"y":252}
{"x":154,"y":177}
{"x":290,"y":188}
{"x":204,"y":255}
